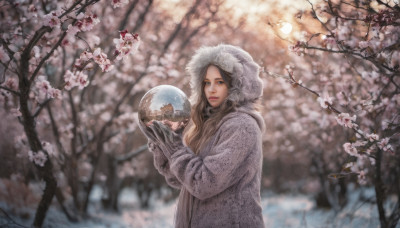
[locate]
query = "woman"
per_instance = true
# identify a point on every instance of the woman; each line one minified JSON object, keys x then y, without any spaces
{"x":218,"y":168}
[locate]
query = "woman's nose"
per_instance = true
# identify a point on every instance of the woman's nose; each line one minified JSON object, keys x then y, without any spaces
{"x":211,"y":88}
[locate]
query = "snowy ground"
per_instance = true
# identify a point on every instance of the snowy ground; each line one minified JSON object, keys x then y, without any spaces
{"x":279,"y":211}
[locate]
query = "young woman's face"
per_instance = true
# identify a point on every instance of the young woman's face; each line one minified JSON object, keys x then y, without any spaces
{"x":215,"y":88}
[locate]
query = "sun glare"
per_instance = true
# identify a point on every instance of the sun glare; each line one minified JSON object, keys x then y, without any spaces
{"x":286,"y":27}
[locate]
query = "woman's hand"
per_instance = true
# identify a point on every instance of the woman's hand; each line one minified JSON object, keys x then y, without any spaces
{"x":147,"y":132}
{"x":166,"y":138}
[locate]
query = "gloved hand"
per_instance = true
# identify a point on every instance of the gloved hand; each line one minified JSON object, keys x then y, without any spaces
{"x":166,"y":138}
{"x":147,"y":132}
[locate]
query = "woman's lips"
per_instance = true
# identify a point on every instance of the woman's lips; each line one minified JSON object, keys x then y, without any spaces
{"x":213,"y":98}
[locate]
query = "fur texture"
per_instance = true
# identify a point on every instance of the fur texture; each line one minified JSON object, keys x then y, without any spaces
{"x":246,"y":83}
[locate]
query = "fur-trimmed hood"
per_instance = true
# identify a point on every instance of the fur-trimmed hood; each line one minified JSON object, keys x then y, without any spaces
{"x":246,"y":84}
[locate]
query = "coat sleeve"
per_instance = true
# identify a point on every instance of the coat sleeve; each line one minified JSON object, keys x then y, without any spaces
{"x":226,"y":164}
{"x":161,"y":163}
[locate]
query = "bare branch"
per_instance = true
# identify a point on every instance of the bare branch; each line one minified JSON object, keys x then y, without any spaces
{"x":55,"y":131}
{"x":70,"y":8}
{"x":128,"y":12}
{"x":142,"y":16}
{"x":41,"y":106}
{"x":179,"y":26}
{"x":11,"y":221}
{"x":316,"y":17}
{"x":75,"y":123}
{"x":125,"y":157}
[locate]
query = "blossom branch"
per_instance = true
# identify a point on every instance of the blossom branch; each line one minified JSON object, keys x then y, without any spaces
{"x":55,"y":131}
{"x":316,"y":17}
{"x":125,"y":157}
{"x":356,"y":7}
{"x":345,"y":51}
{"x":291,"y":80}
{"x":45,"y":58}
{"x":342,"y":17}
{"x":10,"y":90}
{"x":41,"y":106}
{"x":70,"y":8}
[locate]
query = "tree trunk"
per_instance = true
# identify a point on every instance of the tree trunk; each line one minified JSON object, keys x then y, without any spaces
{"x":379,"y":192}
{"x":46,"y":172}
{"x":28,"y":121}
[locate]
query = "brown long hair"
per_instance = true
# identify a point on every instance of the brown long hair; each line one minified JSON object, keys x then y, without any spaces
{"x":203,"y":126}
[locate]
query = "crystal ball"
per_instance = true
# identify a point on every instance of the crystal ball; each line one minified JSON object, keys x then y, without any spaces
{"x":167,"y":104}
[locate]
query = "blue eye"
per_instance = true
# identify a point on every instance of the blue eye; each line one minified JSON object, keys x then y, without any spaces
{"x":220,"y":82}
{"x":207,"y":83}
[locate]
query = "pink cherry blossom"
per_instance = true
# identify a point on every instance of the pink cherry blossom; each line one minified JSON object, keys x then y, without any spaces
{"x":39,"y":158}
{"x":43,"y":85}
{"x":55,"y":93}
{"x":330,"y":42}
{"x":72,"y":80}
{"x":361,"y":178}
{"x":363,"y":44}
{"x":344,"y":119}
{"x":72,"y":30}
{"x":127,"y":43}
{"x":68,"y":78}
{"x":51,"y":20}
{"x":82,"y":80}
{"x":48,"y":147}
{"x":373,"y":137}
{"x":119,"y":3}
{"x":342,"y":98}
{"x":297,"y":48}
{"x":88,"y":22}
{"x":325,"y":101}
{"x":3,"y":55}
{"x":360,"y":143}
{"x":101,"y":58}
{"x":107,"y":66}
{"x":45,"y":90}
{"x":385,"y":146}
{"x":350,"y":149}
{"x":86,"y":56}
{"x":11,"y":83}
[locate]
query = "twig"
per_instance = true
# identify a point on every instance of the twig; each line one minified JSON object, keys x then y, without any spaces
{"x":128,"y":13}
{"x":10,"y":90}
{"x":10,"y":219}
{"x":70,"y":9}
{"x":130,"y":155}
{"x":41,"y":106}
{"x":357,"y":7}
{"x":316,"y":17}
{"x":46,"y":57}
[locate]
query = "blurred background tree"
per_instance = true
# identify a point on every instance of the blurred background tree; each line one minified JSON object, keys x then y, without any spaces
{"x":73,"y":72}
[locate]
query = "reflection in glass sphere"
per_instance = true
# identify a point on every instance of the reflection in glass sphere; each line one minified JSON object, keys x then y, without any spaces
{"x":166,"y":104}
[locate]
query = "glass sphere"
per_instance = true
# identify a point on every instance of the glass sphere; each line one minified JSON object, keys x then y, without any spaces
{"x":166,"y":104}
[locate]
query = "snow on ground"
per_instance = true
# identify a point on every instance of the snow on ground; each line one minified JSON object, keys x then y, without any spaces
{"x":279,"y":211}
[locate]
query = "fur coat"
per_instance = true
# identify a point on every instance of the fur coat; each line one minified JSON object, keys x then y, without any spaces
{"x":224,"y":177}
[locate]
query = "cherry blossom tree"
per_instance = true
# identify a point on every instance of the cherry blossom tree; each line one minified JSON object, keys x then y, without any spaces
{"x":351,"y":65}
{"x":42,"y":38}
{"x":72,"y":75}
